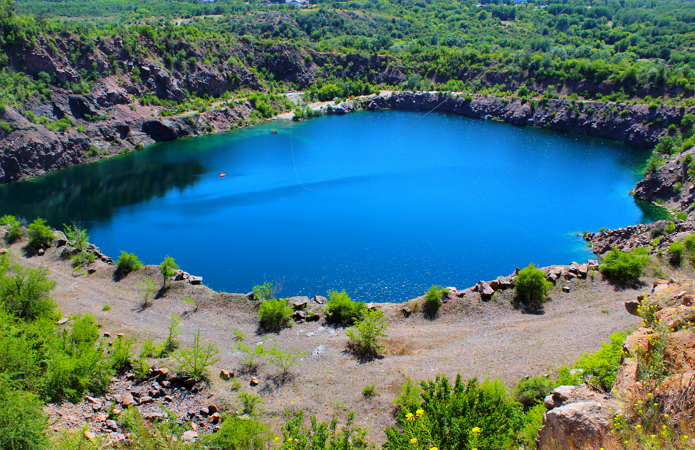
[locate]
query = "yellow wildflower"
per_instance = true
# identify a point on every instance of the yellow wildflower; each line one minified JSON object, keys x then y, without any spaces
{"x":277,"y":438}
{"x":638,"y":426}
{"x":476,"y":430}
{"x":413,"y":441}
{"x":419,"y":412}
{"x":409,"y":416}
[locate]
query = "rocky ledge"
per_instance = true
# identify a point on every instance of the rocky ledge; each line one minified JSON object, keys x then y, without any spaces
{"x":639,"y":126}
{"x":656,"y":236}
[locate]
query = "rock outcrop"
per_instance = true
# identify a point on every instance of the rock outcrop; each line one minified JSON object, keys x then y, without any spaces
{"x":588,"y":118}
{"x":655,"y":236}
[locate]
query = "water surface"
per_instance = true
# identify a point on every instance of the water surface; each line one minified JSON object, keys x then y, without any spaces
{"x":453,"y":201}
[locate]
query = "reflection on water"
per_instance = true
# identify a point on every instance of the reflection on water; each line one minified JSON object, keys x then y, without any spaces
{"x":94,"y":192}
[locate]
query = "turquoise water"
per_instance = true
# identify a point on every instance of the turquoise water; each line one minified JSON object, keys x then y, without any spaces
{"x":452,"y":201}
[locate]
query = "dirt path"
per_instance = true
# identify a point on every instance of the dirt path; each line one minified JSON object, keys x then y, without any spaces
{"x":470,"y":337}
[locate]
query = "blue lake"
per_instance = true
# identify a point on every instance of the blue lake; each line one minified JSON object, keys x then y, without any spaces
{"x":452,"y":201}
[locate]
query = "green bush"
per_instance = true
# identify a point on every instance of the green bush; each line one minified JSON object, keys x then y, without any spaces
{"x":341,"y":308}
{"x":264,"y":291}
{"x":275,"y":314}
{"x":239,"y":433}
{"x":22,"y":421}
{"x":128,"y":262}
{"x":601,"y":367}
{"x":624,"y":266}
{"x":40,"y":234}
{"x":408,"y":400}
{"x":14,"y":228}
{"x":530,"y":391}
{"x":25,"y":292}
{"x":369,"y":391}
{"x":324,"y":435}
{"x":78,"y":364}
{"x":365,"y":334}
{"x":676,"y":251}
{"x":533,"y":420}
{"x":448,"y":414}
{"x":122,"y":353}
{"x":433,"y":299}
{"x":531,"y":286}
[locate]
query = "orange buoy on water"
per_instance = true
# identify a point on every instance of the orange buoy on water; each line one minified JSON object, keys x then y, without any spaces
{"x":222,"y":175}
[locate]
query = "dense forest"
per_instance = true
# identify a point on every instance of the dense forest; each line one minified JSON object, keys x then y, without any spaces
{"x":612,"y":50}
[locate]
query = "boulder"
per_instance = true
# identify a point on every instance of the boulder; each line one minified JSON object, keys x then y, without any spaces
{"x":576,"y":426}
{"x":226,"y":375}
{"x":632,"y":306}
{"x":371,"y":307}
{"x":484,"y":289}
{"x":320,"y":300}
{"x":254,"y":381}
{"x":583,"y":270}
{"x":189,"y":436}
{"x":298,"y":302}
{"x":566,"y":289}
{"x":299,"y":315}
{"x":251,"y":296}
{"x":127,"y":399}
{"x":195,"y":281}
{"x":406,"y":311}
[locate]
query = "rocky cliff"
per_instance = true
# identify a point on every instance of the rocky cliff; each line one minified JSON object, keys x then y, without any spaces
{"x":638,"y":126}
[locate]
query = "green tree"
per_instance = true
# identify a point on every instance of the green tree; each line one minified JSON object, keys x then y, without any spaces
{"x":167,"y":269}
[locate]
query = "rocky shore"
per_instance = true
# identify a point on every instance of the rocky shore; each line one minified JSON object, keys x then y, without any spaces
{"x":639,"y":126}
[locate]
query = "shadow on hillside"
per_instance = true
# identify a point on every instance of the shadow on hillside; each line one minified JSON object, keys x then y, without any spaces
{"x":622,"y":285}
{"x":275,"y":382}
{"x":525,"y":308}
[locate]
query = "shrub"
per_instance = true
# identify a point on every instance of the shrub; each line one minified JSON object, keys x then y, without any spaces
{"x":22,"y":421}
{"x":324,"y":435}
{"x":167,"y":268}
{"x":147,"y":289}
{"x":284,"y":359}
{"x":364,"y":336}
{"x":601,"y":367}
{"x":533,"y":420}
{"x":264,"y":291}
{"x":128,"y":262}
{"x":14,"y":228}
{"x":78,"y":364}
{"x":433,"y":299}
{"x":449,"y":414}
{"x":408,"y":400}
{"x":122,"y":354}
{"x":195,"y":361}
{"x":530,"y":391}
{"x":676,"y":251}
{"x":25,"y":292}
{"x":624,"y":266}
{"x":341,"y":308}
{"x":40,"y":234}
{"x":531,"y":286}
{"x":369,"y":391}
{"x":239,"y":433}
{"x":275,"y":314}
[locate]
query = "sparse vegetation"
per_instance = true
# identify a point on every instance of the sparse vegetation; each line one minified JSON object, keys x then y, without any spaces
{"x":14,"y":228}
{"x":195,"y":360}
{"x":364,"y":336}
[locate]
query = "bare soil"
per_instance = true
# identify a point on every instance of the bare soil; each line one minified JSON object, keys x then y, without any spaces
{"x":469,"y":336}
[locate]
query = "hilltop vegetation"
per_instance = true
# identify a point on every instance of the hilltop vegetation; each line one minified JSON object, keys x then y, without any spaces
{"x":600,"y":50}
